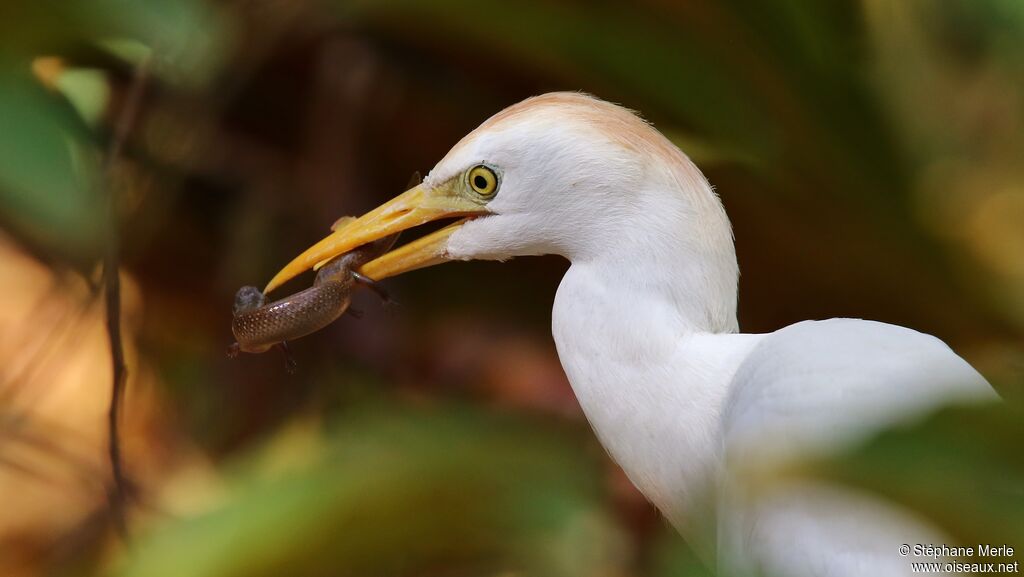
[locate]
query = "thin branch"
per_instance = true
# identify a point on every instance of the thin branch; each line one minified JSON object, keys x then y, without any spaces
{"x":112,"y":288}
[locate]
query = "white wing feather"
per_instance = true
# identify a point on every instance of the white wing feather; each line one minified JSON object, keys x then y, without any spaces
{"x":808,"y":390}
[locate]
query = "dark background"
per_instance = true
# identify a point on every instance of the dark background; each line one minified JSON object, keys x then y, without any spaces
{"x":868,"y":154}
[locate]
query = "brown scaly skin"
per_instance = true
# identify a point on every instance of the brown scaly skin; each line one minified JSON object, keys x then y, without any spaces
{"x":258,"y":326}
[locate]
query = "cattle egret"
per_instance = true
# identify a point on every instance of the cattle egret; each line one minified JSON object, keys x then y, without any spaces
{"x":644,"y":322}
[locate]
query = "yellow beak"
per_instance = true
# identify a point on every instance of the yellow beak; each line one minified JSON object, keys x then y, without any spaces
{"x":416,"y":206}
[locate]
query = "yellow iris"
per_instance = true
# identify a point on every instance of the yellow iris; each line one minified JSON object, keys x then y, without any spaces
{"x":483,"y":181}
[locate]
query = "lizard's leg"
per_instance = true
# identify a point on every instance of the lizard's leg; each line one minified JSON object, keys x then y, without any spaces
{"x":375,"y":287}
{"x":290,"y":365}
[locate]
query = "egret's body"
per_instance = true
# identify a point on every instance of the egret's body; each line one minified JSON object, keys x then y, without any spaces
{"x":645,"y":325}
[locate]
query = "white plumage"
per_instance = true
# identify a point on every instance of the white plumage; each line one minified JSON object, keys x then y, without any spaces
{"x":644,"y":320}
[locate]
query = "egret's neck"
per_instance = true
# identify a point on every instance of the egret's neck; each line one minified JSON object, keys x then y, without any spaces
{"x":652,"y":387}
{"x":671,"y":247}
{"x":644,"y":330}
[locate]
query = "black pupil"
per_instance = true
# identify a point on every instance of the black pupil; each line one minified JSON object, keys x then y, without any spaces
{"x":480,"y":182}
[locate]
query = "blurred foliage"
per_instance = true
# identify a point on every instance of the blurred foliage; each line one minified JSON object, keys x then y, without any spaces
{"x":868,"y":153}
{"x":46,"y":172}
{"x":49,"y":159}
{"x":401,"y":493}
{"x":960,"y":467}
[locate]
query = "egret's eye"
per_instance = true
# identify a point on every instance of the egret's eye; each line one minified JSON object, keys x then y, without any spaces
{"x":483,"y":181}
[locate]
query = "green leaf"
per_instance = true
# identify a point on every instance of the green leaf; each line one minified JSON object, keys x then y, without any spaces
{"x":47,"y":170}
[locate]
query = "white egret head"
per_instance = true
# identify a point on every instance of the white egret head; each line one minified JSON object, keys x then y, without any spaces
{"x":561,"y":173}
{"x":566,"y":178}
